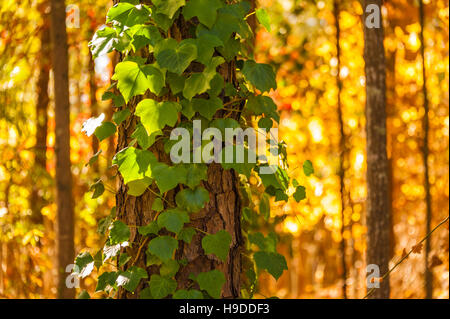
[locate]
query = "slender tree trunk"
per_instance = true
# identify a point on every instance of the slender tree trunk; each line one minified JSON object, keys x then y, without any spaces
{"x":425,"y":152}
{"x":40,"y":162}
{"x":378,"y":213}
{"x":65,"y":214}
{"x":342,"y":147}
{"x":222,"y":212}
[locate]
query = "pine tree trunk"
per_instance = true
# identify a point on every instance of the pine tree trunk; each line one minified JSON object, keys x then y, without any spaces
{"x":222,"y":212}
{"x":378,"y":212}
{"x":65,"y":215}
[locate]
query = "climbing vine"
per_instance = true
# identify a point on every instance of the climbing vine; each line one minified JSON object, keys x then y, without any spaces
{"x":175,"y":80}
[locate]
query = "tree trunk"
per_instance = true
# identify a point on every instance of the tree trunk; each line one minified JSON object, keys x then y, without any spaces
{"x":94,"y":105}
{"x":65,"y":215}
{"x":425,"y":152}
{"x":37,"y":202}
{"x":378,"y":212}
{"x":222,"y":212}
{"x":342,"y":148}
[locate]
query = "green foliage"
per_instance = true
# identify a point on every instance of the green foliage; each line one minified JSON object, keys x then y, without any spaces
{"x":163,"y":83}
{"x":217,"y":244}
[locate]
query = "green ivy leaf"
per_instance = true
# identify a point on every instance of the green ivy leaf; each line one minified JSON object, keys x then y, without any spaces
{"x":176,"y":60}
{"x":176,"y":82}
{"x":263,"y":18}
{"x":161,"y":287}
{"x":187,"y":294}
{"x":173,"y":220}
{"x":105,"y":130}
{"x":204,"y":10}
{"x":106,"y":279}
{"x":145,"y":35}
{"x":134,"y":79}
{"x":186,"y":234}
{"x":212,"y":282}
{"x":197,"y":83}
{"x":98,"y":189}
{"x":83,"y":295}
{"x":260,"y":104}
{"x":264,"y":206}
{"x":300,"y":193}
{"x":130,"y":279}
{"x":308,"y":168}
{"x":103,"y":41}
{"x":158,"y":205}
{"x":123,"y":259}
{"x":163,"y":247}
{"x":192,"y":200}
{"x":84,"y":264}
{"x":119,"y":232}
{"x":139,"y":186}
{"x":168,"y":177}
{"x":128,"y":14}
{"x":195,"y":174}
{"x":168,"y":7}
{"x":134,"y":164}
{"x":217,"y":244}
{"x":144,"y":140}
{"x":274,"y":263}
{"x":169,"y":268}
{"x":260,"y":75}
{"x":150,"y":228}
{"x":155,"y":116}
{"x":207,"y":107}
{"x":121,"y":116}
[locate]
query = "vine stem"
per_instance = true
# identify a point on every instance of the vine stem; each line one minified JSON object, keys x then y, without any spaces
{"x":407,"y":255}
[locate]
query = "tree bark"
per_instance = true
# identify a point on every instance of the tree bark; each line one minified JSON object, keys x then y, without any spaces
{"x":37,"y":201}
{"x":342,"y":148}
{"x":65,"y":214}
{"x":222,"y":212}
{"x":378,"y":212}
{"x":94,"y":106}
{"x":425,"y":153}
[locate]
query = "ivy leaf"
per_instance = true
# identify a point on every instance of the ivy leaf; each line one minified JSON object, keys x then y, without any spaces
{"x":134,"y":164}
{"x":204,"y":10}
{"x":308,"y":168}
{"x":163,"y":247}
{"x":186,"y":234}
{"x":192,"y":200}
{"x":260,"y":75}
{"x":187,"y":294}
{"x":195,"y":174}
{"x":106,"y":279}
{"x":169,"y":268}
{"x":145,"y":35}
{"x":83,"y":295}
{"x":98,"y":189}
{"x":123,"y":259}
{"x":212,"y":282}
{"x":151,"y":228}
{"x":103,"y":41}
{"x":300,"y":193}
{"x":168,"y":177}
{"x":176,"y":82}
{"x":134,"y":79}
{"x":161,"y":287}
{"x":207,"y":107}
{"x":244,"y":168}
{"x":155,"y":116}
{"x":173,"y":220}
{"x":139,"y":186}
{"x":144,"y":140}
{"x":197,"y":83}
{"x":176,"y":60}
{"x":274,"y":263}
{"x":260,"y":104}
{"x":217,"y":244}
{"x":116,"y":98}
{"x":105,"y":130}
{"x":84,"y":264}
{"x":264,"y":206}
{"x":263,"y":18}
{"x":130,"y":279}
{"x":268,"y":243}
{"x":128,"y":14}
{"x":158,"y":205}
{"x":265,"y":123}
{"x":121,"y":116}
{"x":168,"y":7}
{"x":119,"y":232}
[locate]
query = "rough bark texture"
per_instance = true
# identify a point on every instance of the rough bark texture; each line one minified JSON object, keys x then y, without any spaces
{"x":222,"y":212}
{"x":425,"y":152}
{"x":65,"y":216}
{"x":378,"y":208}
{"x":36,"y":200}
